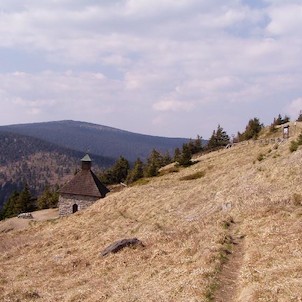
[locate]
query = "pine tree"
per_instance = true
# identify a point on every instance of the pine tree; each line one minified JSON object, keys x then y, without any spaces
{"x":8,"y":209}
{"x":166,"y":159}
{"x":299,"y":119}
{"x":24,"y":203}
{"x":137,"y":172}
{"x":212,"y":143}
{"x":198,"y":144}
{"x":218,"y":139}
{"x":186,"y":155}
{"x":117,"y":173}
{"x":221,"y":137}
{"x":154,"y":163}
{"x":195,"y":145}
{"x":120,"y":170}
{"x":252,"y":130}
{"x":280,"y":120}
{"x":177,"y":155}
{"x":48,"y":199}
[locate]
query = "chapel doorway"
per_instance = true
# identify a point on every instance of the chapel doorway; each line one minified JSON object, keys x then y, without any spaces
{"x":75,"y":208}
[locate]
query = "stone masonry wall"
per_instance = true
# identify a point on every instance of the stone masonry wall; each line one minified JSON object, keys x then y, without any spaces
{"x":66,"y":202}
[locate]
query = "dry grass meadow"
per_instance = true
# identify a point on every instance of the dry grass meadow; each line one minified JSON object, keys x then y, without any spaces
{"x":228,"y":228}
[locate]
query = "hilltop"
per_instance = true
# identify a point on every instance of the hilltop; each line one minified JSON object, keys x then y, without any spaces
{"x":227,"y":228}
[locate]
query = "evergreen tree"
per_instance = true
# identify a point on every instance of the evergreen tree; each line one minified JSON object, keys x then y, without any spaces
{"x":195,"y":145}
{"x":154,"y":163}
{"x":186,"y":155}
{"x":25,"y":202}
{"x":137,"y":172}
{"x":120,"y":170}
{"x":116,"y":174}
{"x":299,"y":119}
{"x":280,"y":120}
{"x":8,"y":209}
{"x":198,"y":145}
{"x":218,"y":139}
{"x":177,"y":155}
{"x":18,"y":203}
{"x":48,"y":199}
{"x":252,"y":130}
{"x":166,"y":159}
{"x":212,"y":144}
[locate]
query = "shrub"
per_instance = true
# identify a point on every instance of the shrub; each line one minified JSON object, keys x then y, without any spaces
{"x":193,"y":176}
{"x":293,"y":146}
{"x":173,"y":169}
{"x":297,"y":199}
{"x":140,"y":182}
{"x":260,"y":157}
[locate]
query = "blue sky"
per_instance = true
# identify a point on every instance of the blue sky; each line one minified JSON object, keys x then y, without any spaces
{"x":163,"y":67}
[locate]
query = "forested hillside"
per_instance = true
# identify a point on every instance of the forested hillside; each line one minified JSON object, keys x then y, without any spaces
{"x":28,"y":160}
{"x":98,"y":139}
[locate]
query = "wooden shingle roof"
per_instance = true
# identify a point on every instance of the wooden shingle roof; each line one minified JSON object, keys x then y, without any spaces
{"x":85,"y":183}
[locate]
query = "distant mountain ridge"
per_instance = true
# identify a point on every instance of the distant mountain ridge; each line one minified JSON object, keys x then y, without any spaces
{"x":97,"y":139}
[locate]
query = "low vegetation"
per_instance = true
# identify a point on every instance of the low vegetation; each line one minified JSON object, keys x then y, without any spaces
{"x":186,"y":229}
{"x":193,"y":176}
{"x":294,"y":145}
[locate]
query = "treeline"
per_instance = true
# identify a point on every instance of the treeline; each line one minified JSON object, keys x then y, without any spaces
{"x":121,"y":172}
{"x":24,"y":201}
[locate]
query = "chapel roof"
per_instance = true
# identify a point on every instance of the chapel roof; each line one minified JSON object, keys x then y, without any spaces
{"x":85,"y":183}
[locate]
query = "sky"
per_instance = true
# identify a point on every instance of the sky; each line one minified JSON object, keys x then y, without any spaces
{"x":174,"y":68}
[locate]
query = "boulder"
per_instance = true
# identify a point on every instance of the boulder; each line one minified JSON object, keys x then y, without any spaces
{"x":25,"y":216}
{"x":120,"y":244}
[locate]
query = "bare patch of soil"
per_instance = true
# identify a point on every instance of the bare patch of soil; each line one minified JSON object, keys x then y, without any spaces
{"x":227,"y":290}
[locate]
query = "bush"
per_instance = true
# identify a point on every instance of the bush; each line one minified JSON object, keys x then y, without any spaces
{"x":140,"y":182}
{"x":193,"y":176}
{"x":169,"y":170}
{"x":297,"y":199}
{"x":293,"y":146}
{"x":252,"y":130}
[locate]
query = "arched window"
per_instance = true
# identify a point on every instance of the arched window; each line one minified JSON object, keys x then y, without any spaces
{"x":75,"y":208}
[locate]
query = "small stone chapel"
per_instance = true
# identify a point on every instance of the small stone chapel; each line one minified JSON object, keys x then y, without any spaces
{"x":81,"y":191}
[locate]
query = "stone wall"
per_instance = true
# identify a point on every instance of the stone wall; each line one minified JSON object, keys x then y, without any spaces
{"x":66,"y":202}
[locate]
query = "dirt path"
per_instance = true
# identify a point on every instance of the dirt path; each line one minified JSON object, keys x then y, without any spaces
{"x":228,"y":278}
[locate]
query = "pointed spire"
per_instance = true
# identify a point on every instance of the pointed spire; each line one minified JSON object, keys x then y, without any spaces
{"x":86,"y":162}
{"x":86,"y":158}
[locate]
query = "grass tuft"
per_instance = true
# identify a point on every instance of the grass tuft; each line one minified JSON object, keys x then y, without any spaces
{"x":193,"y":176}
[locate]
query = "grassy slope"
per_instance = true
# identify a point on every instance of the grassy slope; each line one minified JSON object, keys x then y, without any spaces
{"x":182,"y":226}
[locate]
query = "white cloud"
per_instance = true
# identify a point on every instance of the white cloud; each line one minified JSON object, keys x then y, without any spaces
{"x":173,"y":105}
{"x":125,"y":57}
{"x":286,"y":19}
{"x":294,"y":108}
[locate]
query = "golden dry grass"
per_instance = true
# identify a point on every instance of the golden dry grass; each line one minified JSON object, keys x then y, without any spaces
{"x":16,"y":223}
{"x":182,"y":224}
